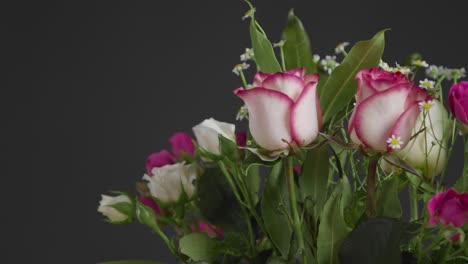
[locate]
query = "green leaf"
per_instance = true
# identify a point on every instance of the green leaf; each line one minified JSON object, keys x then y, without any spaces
{"x":462,"y":183}
{"x":297,"y":50}
{"x":131,"y":262}
{"x":274,"y":206}
{"x":332,"y":228}
{"x":228,"y":148}
{"x":215,"y":196}
{"x":313,"y":181}
{"x":264,"y":54}
{"x":389,"y":199}
{"x":374,"y":241}
{"x":199,"y":247}
{"x":253,"y":182}
{"x":340,"y":87}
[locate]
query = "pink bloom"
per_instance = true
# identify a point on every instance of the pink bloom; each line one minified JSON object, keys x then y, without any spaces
{"x":148,"y":201}
{"x":241,"y":138}
{"x":210,"y":229}
{"x":157,"y":160}
{"x":182,"y":142}
{"x":387,"y":107}
{"x":283,"y":108}
{"x":448,"y":208}
{"x":458,"y":101}
{"x":298,"y":169}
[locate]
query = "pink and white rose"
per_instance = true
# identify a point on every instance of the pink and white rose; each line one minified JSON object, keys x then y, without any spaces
{"x":283,"y":108}
{"x":387,"y":107}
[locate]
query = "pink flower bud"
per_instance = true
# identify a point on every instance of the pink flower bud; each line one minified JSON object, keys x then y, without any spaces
{"x":157,"y":160}
{"x":148,"y":201}
{"x":448,"y":208}
{"x":182,"y":142}
{"x":458,"y":101}
{"x":210,"y":229}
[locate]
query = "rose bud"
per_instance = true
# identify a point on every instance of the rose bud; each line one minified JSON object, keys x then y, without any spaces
{"x":207,"y":134}
{"x":170,"y":182}
{"x":428,"y":150}
{"x":210,"y":229}
{"x":158,"y":159}
{"x":182,"y":143}
{"x":148,"y":201}
{"x":448,"y":208}
{"x":283,"y":108}
{"x":118,"y":209}
{"x":387,"y":107}
{"x":458,"y":103}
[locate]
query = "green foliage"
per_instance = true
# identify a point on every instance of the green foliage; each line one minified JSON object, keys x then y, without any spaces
{"x":252,"y":179}
{"x":228,"y":148}
{"x":131,"y":262}
{"x":340,"y":87}
{"x":200,"y":247}
{"x":276,"y":210}
{"x":297,"y":50}
{"x":389,"y":205}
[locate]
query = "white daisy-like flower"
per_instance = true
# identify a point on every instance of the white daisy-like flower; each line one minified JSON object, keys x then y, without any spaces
{"x":279,"y":44}
{"x":402,"y":69}
{"x":427,"y":84}
{"x":329,"y":63}
{"x":433,"y":72}
{"x":240,"y":67}
{"x":249,"y":13}
{"x":425,"y":105}
{"x":455,"y":73}
{"x":420,"y":63}
{"x":247,"y":55}
{"x":316,"y":58}
{"x":242,"y":113}
{"x":340,"y":48}
{"x":384,"y":66}
{"x":395,"y":142}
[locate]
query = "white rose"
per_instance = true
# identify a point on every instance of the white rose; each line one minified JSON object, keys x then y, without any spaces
{"x":108,"y":209}
{"x":207,"y":133}
{"x":168,"y":182}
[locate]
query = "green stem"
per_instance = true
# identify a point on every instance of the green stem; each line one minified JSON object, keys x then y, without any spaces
{"x":371,"y":171}
{"x":283,"y":62}
{"x":157,"y":230}
{"x":413,"y":194}
{"x":292,"y":196}
{"x":244,"y":82}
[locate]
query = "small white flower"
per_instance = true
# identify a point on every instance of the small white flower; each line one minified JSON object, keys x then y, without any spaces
{"x":420,"y":63}
{"x":247,"y":55}
{"x":433,"y":72}
{"x":316,"y":58}
{"x":249,"y":13}
{"x":384,"y":66}
{"x":242,"y":113}
{"x":240,"y":67}
{"x":340,"y":48}
{"x":106,"y":207}
{"x":425,"y":105}
{"x":402,"y":69}
{"x":329,"y":63}
{"x":455,"y":73}
{"x":395,"y":142}
{"x":279,"y":44}
{"x":427,"y":84}
{"x":207,"y":134}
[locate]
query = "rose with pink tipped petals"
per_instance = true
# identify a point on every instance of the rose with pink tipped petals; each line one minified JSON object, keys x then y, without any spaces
{"x":158,"y":159}
{"x":458,"y":101}
{"x":210,"y":229}
{"x":283,"y":108}
{"x":148,"y":201}
{"x":182,"y":143}
{"x":387,"y":104}
{"x":448,"y":208}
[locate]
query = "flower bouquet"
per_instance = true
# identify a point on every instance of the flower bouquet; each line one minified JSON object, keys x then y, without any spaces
{"x":332,"y":143}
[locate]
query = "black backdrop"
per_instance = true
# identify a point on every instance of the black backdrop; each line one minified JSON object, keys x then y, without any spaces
{"x":93,"y":87}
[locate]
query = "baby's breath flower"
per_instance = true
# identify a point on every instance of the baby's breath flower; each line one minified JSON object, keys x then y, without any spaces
{"x":239,"y":67}
{"x":247,"y":55}
{"x":402,"y":69}
{"x":340,"y":48}
{"x":433,"y":72}
{"x":279,"y":44}
{"x":316,"y":58}
{"x":249,"y":13}
{"x":384,"y":66}
{"x":425,"y":105}
{"x":329,"y":63}
{"x":242,"y":113}
{"x":456,"y":73}
{"x":395,"y":142}
{"x":420,"y":63}
{"x":427,"y":84}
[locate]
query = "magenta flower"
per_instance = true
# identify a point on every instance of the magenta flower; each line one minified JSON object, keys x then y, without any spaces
{"x":182,"y":143}
{"x":210,"y":229}
{"x":241,"y":138}
{"x":387,"y":107}
{"x":458,"y":101}
{"x":148,"y":201}
{"x":283,"y":108}
{"x":448,"y":208}
{"x":157,"y":160}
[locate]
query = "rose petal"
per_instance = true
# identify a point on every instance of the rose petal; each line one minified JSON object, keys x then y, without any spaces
{"x":312,"y":77}
{"x":158,"y":159}
{"x":404,"y":125}
{"x":259,"y":78}
{"x":304,"y":116}
{"x":299,"y":72}
{"x":269,"y":116}
{"x":376,"y":116}
{"x":287,"y":84}
{"x":456,"y":107}
{"x":182,"y":142}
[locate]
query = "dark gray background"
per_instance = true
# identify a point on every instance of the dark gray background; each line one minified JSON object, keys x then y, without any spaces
{"x":92,"y":88}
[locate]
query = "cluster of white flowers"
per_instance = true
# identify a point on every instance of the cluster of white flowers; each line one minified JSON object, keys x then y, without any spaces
{"x":242,"y":113}
{"x":329,"y":63}
{"x":316,"y":58}
{"x":420,"y":63}
{"x":247,"y":55}
{"x":340,"y":48}
{"x":240,"y":67}
{"x":435,"y":72}
{"x":398,"y":68}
